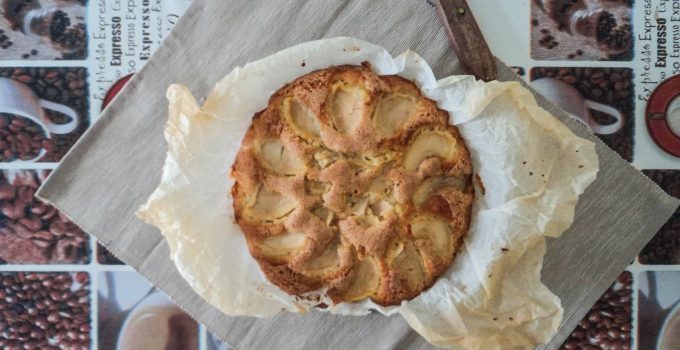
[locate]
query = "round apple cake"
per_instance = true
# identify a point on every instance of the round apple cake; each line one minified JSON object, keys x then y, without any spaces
{"x":353,"y":184}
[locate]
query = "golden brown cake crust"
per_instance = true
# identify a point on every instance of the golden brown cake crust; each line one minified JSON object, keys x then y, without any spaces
{"x":355,"y":183}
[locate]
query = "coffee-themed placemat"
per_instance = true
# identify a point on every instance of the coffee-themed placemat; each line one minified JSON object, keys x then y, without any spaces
{"x":61,"y":60}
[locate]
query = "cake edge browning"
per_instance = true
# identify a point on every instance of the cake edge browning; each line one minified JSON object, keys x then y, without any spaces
{"x":305,"y":187}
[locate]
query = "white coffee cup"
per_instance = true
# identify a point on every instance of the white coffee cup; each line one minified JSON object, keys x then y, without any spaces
{"x":38,"y":22}
{"x":154,"y":323}
{"x":673,"y":116}
{"x":19,"y":99}
{"x":569,"y":99}
{"x":669,"y":337}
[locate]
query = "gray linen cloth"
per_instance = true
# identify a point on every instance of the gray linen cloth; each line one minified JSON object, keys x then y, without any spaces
{"x":117,"y":164}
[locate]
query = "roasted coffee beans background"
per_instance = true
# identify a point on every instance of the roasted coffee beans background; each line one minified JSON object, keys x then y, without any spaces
{"x":66,"y":86}
{"x":32,"y":232}
{"x":21,"y":138}
{"x":611,"y":86}
{"x":664,"y":248}
{"x":609,"y":323}
{"x":44,"y":310}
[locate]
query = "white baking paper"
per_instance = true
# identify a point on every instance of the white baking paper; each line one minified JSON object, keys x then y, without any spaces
{"x":532,"y":166}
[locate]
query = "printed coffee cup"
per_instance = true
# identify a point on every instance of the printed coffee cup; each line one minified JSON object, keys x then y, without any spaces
{"x":569,"y":99}
{"x":19,"y":99}
{"x":669,"y":338}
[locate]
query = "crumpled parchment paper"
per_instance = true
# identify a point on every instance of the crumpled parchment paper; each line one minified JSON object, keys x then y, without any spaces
{"x":532,"y":168}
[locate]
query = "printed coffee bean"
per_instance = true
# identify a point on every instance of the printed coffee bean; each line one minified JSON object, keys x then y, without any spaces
{"x":6,"y":192}
{"x":33,"y":223}
{"x":52,"y":238}
{"x":19,"y":141}
{"x":26,"y":317}
{"x":664,"y":248}
{"x":12,"y":212}
{"x":40,"y":243}
{"x":608,"y":325}
{"x":50,"y":212}
{"x":25,"y":79}
{"x":44,"y":235}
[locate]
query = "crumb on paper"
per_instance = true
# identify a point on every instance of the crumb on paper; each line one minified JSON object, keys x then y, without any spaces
{"x":480,"y":183}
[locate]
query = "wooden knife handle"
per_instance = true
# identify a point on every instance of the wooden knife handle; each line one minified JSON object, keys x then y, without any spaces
{"x":466,"y":38}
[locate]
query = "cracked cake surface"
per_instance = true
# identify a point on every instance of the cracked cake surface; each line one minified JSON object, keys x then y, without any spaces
{"x":353,"y":183}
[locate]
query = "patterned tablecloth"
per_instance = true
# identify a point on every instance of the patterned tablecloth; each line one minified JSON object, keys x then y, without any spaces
{"x":60,"y":289}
